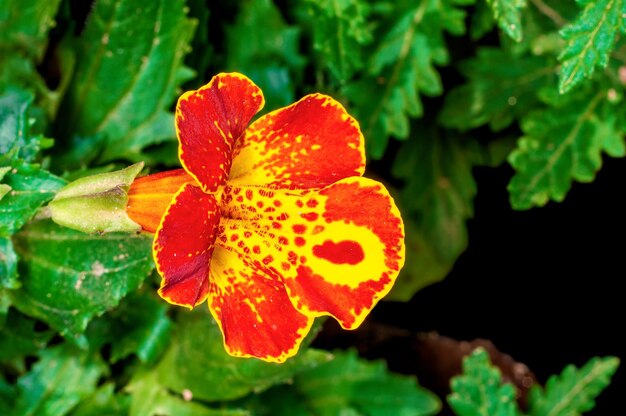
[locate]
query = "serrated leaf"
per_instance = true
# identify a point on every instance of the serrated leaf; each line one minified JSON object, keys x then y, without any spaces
{"x":436,"y":201}
{"x":501,"y":88}
{"x":150,"y":398}
{"x":479,"y":390}
{"x":340,"y":31}
{"x":508,"y":15}
{"x":349,"y":385}
{"x":70,"y":277}
{"x":104,"y":402}
{"x":573,"y":391}
{"x":18,"y":339}
{"x":402,"y":67}
{"x":590,"y":40}
{"x":17,"y":143}
{"x":196,"y":361}
{"x":24,"y":25}
{"x":61,"y":378}
{"x":482,"y":21}
{"x":129,"y":64}
{"x":261,"y":45}
{"x":139,"y":325}
{"x":561,"y":143}
{"x":8,"y":264}
{"x":30,"y":187}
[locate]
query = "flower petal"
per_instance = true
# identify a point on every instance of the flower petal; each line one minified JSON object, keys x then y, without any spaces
{"x":309,"y":144}
{"x":208,"y":123}
{"x":149,"y":196}
{"x":339,"y":249}
{"x":183,"y":246}
{"x":251,"y":306}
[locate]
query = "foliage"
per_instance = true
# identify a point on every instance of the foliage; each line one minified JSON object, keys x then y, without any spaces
{"x":481,"y":391}
{"x":574,"y":390}
{"x":439,"y":88}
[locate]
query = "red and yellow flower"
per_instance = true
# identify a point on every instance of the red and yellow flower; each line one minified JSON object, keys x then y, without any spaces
{"x":271,"y":222}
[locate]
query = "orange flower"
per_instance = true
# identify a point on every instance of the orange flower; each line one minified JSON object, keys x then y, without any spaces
{"x":272,"y":222}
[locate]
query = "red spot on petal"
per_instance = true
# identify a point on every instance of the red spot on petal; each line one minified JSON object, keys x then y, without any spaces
{"x":234,"y":237}
{"x":282,"y":217}
{"x":282,"y":240}
{"x":285,"y":266}
{"x":249,"y":194}
{"x":310,"y":216}
{"x":240,"y":198}
{"x":247,"y":234}
{"x":256,"y":250}
{"x":318,"y":229}
{"x":299,"y":204}
{"x":311,"y":203}
{"x":292,"y":257}
{"x":299,"y":228}
{"x":277,"y":203}
{"x":299,"y":241}
{"x":343,"y":252}
{"x":267,"y":260}
{"x":276,"y":225}
{"x":259,"y":204}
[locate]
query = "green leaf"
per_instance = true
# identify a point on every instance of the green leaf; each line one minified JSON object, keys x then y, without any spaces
{"x":139,"y":325}
{"x":507,"y":14}
{"x":61,"y":378}
{"x":8,"y":265}
{"x":18,"y":339}
{"x":561,"y":143}
{"x":402,"y":67}
{"x":103,"y":403}
{"x":479,"y":391}
{"x":24,"y":25}
{"x":149,"y":398}
{"x":129,"y":64}
{"x":501,"y":88}
{"x":482,"y":20}
{"x":96,"y":203}
{"x":573,"y":391}
{"x":7,"y":396}
{"x":590,"y":40}
{"x":31,"y":187}
{"x":436,"y":201}
{"x":349,"y":385}
{"x":340,"y":31}
{"x":17,"y":143}
{"x":69,"y":277}
{"x":197,"y":361}
{"x":261,"y":45}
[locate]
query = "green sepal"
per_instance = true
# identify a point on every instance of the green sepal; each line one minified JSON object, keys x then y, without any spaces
{"x":97,"y":203}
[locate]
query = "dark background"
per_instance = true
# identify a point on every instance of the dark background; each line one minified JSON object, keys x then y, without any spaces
{"x":544,"y":285}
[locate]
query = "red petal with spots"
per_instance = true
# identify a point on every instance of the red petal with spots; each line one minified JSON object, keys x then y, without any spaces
{"x":251,"y":306}
{"x":149,"y":196}
{"x":183,"y":246}
{"x":210,"y":120}
{"x":310,"y":144}
{"x":338,"y":249}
